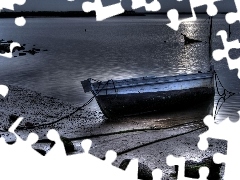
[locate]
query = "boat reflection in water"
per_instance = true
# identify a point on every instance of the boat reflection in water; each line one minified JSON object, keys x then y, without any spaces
{"x":127,"y":97}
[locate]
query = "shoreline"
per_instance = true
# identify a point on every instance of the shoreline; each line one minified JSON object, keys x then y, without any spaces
{"x":130,"y":137}
{"x":39,"y":110}
{"x":82,"y":14}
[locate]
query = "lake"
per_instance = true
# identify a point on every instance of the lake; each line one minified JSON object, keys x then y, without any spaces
{"x":119,"y":47}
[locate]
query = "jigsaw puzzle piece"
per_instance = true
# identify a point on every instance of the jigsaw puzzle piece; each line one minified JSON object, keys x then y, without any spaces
{"x":180,"y":162}
{"x":231,"y":161}
{"x":216,"y":131}
{"x":231,"y":170}
{"x":152,"y":6}
{"x":101,"y":11}
{"x":24,"y":147}
{"x":58,"y":150}
{"x":219,"y":54}
{"x":107,"y":170}
{"x":226,"y":130}
{"x":211,"y":7}
{"x":232,"y":17}
{"x":173,"y":14}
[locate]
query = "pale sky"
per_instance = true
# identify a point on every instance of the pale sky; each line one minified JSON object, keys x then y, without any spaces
{"x":64,"y":5}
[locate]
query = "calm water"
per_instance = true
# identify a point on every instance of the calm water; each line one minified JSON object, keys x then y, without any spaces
{"x":120,"y":47}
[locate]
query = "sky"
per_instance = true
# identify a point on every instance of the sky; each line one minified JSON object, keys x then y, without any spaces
{"x":64,"y":5}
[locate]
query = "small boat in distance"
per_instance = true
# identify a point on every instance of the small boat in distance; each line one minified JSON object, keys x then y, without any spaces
{"x":117,"y":98}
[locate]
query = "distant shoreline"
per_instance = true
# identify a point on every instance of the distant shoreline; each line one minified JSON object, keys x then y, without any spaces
{"x":30,"y":14}
{"x":37,"y":14}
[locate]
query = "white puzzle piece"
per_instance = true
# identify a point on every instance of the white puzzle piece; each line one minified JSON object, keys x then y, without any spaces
{"x":232,"y":17}
{"x":229,"y":131}
{"x":180,"y":162}
{"x":219,"y":54}
{"x":26,"y":162}
{"x":173,"y":14}
{"x":153,"y":6}
{"x":103,"y":12}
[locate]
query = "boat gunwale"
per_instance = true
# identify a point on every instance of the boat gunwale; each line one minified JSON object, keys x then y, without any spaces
{"x":210,"y":76}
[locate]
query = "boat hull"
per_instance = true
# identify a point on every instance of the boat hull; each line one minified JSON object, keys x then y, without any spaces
{"x":117,"y":105}
{"x":147,"y":94}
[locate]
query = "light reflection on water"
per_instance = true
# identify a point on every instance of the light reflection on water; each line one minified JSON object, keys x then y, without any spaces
{"x":121,"y":47}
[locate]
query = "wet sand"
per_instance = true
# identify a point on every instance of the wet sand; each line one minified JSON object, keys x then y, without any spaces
{"x":149,"y":137}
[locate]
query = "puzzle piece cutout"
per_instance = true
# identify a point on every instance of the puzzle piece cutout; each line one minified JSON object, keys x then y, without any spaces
{"x":101,"y":11}
{"x":4,"y":90}
{"x":219,"y":54}
{"x":108,"y":11}
{"x":181,"y":6}
{"x":18,"y":152}
{"x":152,"y":6}
{"x":226,"y":130}
{"x":9,"y":4}
{"x":58,"y":150}
{"x":58,"y":165}
{"x":20,"y":21}
{"x":173,"y":14}
{"x":180,"y":162}
{"x":232,"y":17}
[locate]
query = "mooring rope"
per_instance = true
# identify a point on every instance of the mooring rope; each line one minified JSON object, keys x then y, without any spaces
{"x":223,"y":96}
{"x":67,"y":116}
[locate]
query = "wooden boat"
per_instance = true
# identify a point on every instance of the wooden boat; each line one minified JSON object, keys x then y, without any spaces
{"x":146,"y":94}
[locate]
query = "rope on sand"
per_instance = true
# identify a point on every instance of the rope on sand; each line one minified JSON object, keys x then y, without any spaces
{"x":68,"y":115}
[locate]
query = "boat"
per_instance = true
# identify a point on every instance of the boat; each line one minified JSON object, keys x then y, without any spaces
{"x":134,"y":96}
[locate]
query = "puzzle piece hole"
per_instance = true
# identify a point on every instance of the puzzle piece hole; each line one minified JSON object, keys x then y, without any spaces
{"x":144,"y":172}
{"x":86,"y":145}
{"x":110,"y":156}
{"x":157,"y":174}
{"x":195,"y":169}
{"x":20,"y":21}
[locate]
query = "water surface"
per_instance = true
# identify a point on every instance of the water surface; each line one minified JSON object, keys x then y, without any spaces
{"x":120,"y":47}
